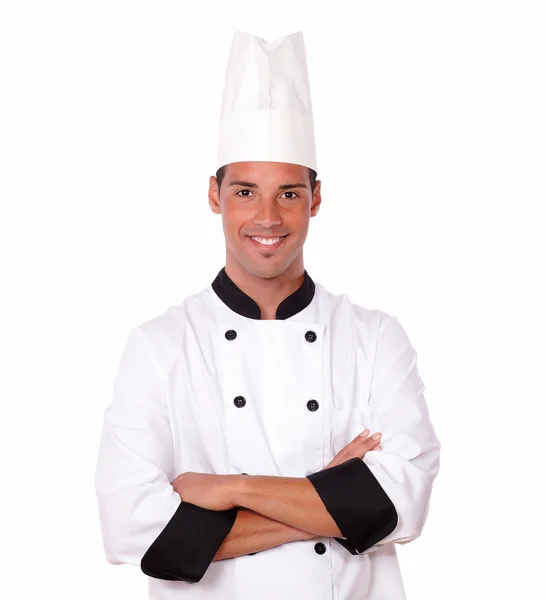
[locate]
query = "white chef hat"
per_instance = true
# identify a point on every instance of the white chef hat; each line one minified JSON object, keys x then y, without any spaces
{"x":266,"y":108}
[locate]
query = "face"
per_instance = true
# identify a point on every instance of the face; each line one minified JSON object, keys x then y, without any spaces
{"x":265,"y":200}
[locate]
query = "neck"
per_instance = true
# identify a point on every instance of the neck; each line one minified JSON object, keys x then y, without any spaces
{"x":267,"y":290}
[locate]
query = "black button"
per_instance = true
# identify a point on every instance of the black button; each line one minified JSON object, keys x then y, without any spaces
{"x":231,"y":334}
{"x":320,"y":548}
{"x":312,"y":405}
{"x":310,"y":336}
{"x":239,"y":401}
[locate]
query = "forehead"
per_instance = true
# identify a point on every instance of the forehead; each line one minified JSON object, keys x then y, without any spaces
{"x":266,"y":171}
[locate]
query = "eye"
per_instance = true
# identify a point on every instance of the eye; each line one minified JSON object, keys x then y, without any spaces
{"x":237,"y":193}
{"x":293,"y":197}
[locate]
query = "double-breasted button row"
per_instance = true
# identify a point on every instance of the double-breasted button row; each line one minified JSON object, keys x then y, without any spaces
{"x":231,"y":334}
{"x":240,"y":401}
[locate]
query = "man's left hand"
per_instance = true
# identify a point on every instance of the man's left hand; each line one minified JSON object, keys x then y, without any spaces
{"x":205,"y":489}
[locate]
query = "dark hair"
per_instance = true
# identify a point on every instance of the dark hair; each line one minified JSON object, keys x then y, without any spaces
{"x":220,"y":174}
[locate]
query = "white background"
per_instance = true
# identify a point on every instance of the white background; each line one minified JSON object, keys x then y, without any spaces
{"x":431,"y":126}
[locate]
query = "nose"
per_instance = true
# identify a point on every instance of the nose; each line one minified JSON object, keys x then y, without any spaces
{"x":267,"y":214}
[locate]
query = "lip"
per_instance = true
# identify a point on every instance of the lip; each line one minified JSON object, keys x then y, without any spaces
{"x":263,"y":246}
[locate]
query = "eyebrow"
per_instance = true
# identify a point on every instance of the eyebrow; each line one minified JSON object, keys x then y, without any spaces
{"x":285,"y":186}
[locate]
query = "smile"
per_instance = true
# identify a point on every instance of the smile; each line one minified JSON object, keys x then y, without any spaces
{"x":270,"y":243}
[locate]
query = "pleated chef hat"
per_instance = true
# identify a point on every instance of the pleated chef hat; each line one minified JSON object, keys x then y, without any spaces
{"x":266,"y":108}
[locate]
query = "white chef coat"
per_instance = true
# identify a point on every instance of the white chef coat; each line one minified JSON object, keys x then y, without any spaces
{"x":209,"y":387}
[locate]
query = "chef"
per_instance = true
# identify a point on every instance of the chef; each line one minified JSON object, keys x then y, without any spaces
{"x":266,"y":439}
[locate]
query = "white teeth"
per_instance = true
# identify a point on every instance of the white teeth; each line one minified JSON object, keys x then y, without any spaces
{"x":267,"y":241}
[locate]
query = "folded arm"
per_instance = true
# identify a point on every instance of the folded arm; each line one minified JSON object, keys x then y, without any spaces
{"x":252,"y":532}
{"x":290,"y":500}
{"x":276,"y":510}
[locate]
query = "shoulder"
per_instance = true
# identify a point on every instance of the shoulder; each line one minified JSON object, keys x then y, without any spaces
{"x":165,"y":331}
{"x":342,"y":306}
{"x":374,"y":328}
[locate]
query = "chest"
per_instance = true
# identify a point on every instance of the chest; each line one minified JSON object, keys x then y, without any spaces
{"x":269,"y":397}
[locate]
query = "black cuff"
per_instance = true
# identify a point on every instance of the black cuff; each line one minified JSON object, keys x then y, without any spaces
{"x":357,"y":503}
{"x":187,"y":545}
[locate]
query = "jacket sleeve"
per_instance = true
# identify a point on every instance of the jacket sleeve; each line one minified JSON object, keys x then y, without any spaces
{"x":385,"y":496}
{"x":143,"y":520}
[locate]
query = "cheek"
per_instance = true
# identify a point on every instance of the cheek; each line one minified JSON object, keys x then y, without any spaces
{"x":300,"y":220}
{"x":235,"y":214}
{"x":233,"y":222}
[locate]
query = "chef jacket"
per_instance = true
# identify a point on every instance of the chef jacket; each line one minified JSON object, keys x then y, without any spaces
{"x":208,"y":386}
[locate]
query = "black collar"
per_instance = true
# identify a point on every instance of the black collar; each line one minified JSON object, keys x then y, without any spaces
{"x":243,"y":304}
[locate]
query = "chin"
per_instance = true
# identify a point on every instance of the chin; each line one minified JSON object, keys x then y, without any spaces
{"x":265,"y":271}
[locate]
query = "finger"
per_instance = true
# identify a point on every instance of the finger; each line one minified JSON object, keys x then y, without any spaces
{"x":356,"y":448}
{"x":370,"y":441}
{"x":363,"y":445}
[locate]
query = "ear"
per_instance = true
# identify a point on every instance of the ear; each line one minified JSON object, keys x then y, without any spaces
{"x":316,"y":199}
{"x":214,"y":196}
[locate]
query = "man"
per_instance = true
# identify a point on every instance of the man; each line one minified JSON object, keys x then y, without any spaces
{"x":236,"y":459}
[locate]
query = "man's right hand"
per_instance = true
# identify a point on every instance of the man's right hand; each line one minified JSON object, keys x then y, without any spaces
{"x":357,"y":448}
